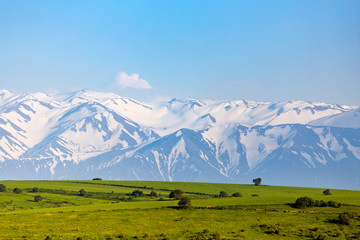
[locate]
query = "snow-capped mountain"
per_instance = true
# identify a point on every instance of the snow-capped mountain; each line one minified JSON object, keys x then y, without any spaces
{"x":88,"y":134}
{"x":349,"y":118}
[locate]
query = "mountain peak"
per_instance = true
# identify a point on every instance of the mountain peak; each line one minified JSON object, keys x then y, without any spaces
{"x":4,"y":92}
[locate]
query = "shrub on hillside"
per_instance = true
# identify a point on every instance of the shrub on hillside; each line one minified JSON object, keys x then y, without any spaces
{"x":304,"y":202}
{"x":137,"y":193}
{"x":82,"y":192}
{"x":184,"y":202}
{"x":345,"y":218}
{"x":327,"y":192}
{"x":2,"y":188}
{"x":270,"y":229}
{"x":17,"y":190}
{"x":237,"y":194}
{"x":37,"y":198}
{"x":153,"y":194}
{"x":320,"y":203}
{"x":176,"y":194}
{"x":332,"y":204}
{"x":35,"y":189}
{"x":223,"y":194}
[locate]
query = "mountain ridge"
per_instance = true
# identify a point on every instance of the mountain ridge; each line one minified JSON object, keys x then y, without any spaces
{"x":88,"y":133}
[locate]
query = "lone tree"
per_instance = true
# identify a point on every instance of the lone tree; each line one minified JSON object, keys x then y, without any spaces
{"x":35,"y":189}
{"x":37,"y":198}
{"x":184,"y":202}
{"x":2,"y":188}
{"x":223,"y":194}
{"x":82,"y":192}
{"x":176,"y":194}
{"x":327,"y":192}
{"x":257,"y":181}
{"x":17,"y":190}
{"x":97,"y":179}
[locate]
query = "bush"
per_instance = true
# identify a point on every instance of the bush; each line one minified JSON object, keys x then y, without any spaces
{"x":327,"y":192}
{"x":97,"y":179}
{"x":35,"y":189}
{"x":320,"y":203}
{"x":82,"y":192}
{"x":38,"y":198}
{"x":332,"y":204}
{"x":304,"y":202}
{"x":176,"y":194}
{"x":2,"y":188}
{"x":345,"y":218}
{"x":237,"y":194}
{"x":137,"y":193}
{"x":184,"y":202}
{"x":223,"y":194}
{"x":270,"y":229}
{"x":153,"y":194}
{"x":17,"y":190}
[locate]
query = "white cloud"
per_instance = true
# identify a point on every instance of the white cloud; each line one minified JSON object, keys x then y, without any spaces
{"x":132,"y":81}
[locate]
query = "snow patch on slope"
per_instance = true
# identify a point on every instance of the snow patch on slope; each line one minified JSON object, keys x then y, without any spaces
{"x":329,"y":143}
{"x":353,"y":149}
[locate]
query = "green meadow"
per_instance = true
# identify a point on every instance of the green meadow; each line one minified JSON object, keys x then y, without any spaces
{"x":112,"y":210}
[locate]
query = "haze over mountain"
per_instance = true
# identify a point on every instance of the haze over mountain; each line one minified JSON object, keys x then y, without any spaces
{"x":86,"y":134}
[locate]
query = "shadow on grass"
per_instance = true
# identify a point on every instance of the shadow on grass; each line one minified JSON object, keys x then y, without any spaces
{"x":292,"y":205}
{"x":334,"y":221}
{"x":181,"y":208}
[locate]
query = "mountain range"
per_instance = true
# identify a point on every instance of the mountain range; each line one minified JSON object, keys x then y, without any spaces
{"x":87,"y":134}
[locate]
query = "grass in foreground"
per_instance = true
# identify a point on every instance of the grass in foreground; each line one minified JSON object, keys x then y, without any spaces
{"x":64,"y":214}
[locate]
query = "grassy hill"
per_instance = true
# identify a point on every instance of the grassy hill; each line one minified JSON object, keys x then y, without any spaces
{"x":109,"y":210}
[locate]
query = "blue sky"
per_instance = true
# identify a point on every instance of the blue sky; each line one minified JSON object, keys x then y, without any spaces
{"x":255,"y":50}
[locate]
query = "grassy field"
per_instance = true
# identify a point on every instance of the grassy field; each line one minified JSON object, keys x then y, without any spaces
{"x":109,"y":211}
